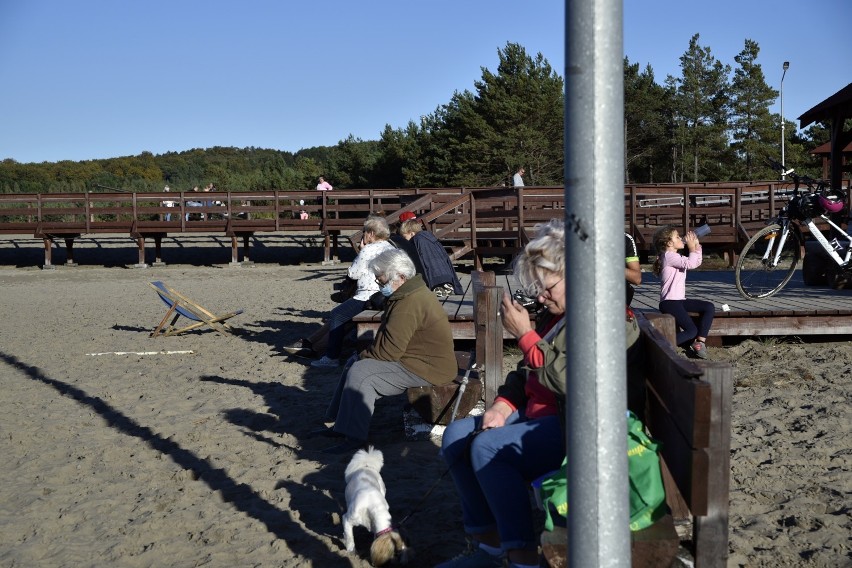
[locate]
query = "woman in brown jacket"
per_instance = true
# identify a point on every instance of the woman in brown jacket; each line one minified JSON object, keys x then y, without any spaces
{"x":412,"y":348}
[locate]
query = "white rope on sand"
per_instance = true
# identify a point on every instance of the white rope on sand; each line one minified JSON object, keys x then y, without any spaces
{"x":143,"y":353}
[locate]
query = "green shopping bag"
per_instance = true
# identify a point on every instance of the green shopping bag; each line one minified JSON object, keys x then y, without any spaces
{"x":551,"y":489}
{"x":647,"y":494}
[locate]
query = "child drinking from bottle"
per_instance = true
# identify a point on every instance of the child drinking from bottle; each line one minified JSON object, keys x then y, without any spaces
{"x":671,"y":266}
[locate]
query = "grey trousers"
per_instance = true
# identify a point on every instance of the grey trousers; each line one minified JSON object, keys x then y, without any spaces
{"x":359,"y":386}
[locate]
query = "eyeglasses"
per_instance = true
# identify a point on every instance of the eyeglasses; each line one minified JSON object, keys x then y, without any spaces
{"x":537,"y":288}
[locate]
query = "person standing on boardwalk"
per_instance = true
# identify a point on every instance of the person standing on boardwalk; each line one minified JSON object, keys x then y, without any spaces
{"x":671,"y":267}
{"x":168,"y":203}
{"x":323,"y":185}
{"x":518,"y":178}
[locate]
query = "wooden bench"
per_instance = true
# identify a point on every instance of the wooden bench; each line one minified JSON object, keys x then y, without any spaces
{"x":689,"y":411}
{"x":435,"y":403}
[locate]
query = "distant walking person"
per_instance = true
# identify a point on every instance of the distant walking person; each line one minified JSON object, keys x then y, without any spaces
{"x":518,"y":179}
{"x":168,"y":203}
{"x":671,"y":267}
{"x":323,"y":185}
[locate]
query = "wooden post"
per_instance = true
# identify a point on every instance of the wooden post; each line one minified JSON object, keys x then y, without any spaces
{"x":48,"y":253}
{"x":246,"y":243}
{"x":158,"y":250}
{"x":710,"y":531}
{"x":140,"y":245}
{"x":69,"y":252}
{"x":235,"y":251}
{"x":488,"y":331}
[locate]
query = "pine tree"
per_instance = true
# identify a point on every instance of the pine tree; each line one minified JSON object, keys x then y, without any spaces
{"x":753,"y":128}
{"x":645,"y":144}
{"x":702,"y":106}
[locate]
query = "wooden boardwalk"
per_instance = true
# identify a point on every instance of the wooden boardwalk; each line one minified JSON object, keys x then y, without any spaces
{"x":795,"y":310}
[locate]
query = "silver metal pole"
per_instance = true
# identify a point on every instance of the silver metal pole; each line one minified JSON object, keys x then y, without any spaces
{"x":783,"y":163}
{"x":598,"y":510}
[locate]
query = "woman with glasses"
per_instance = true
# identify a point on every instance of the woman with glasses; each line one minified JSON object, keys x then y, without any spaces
{"x":412,"y":348}
{"x":493,"y":457}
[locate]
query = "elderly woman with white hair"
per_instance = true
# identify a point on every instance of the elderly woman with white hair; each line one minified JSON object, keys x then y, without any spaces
{"x":493,"y":457}
{"x":412,"y":348}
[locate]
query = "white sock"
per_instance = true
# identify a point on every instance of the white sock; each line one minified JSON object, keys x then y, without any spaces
{"x":514,"y":565}
{"x":492,"y":550}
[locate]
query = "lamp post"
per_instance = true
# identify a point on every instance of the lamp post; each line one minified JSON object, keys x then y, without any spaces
{"x":783,"y":163}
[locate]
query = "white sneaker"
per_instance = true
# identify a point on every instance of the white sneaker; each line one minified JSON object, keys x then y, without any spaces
{"x":325,"y":362}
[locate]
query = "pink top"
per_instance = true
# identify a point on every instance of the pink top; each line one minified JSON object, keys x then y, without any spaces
{"x":673,"y":273}
{"x":324,"y":186}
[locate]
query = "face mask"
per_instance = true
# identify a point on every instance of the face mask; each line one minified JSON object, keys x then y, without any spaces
{"x":386,"y":290}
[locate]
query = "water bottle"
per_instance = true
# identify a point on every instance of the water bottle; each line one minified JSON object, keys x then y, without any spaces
{"x":702,"y":231}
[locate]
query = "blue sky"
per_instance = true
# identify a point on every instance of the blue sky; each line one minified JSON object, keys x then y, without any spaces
{"x":89,"y":79}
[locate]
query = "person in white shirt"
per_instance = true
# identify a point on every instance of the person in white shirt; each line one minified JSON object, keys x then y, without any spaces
{"x":517,"y":179}
{"x":168,"y":203}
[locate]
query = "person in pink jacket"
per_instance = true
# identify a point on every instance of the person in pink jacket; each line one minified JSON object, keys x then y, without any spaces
{"x":671,"y":267}
{"x":323,"y":185}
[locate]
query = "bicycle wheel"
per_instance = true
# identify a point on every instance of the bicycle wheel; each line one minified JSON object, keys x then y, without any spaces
{"x":756,"y":277}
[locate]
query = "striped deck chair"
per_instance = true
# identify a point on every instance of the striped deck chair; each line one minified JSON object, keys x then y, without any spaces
{"x":179,"y":305}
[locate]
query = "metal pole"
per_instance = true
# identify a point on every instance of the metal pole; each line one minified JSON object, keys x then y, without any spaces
{"x":783,"y":163}
{"x":598,"y":514}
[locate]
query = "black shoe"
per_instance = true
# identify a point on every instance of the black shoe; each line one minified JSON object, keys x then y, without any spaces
{"x":325,"y":432}
{"x":345,"y":447}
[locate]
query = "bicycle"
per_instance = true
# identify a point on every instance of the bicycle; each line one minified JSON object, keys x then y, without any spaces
{"x":768,"y":261}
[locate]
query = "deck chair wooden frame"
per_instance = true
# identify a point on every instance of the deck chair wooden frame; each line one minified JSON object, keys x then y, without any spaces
{"x":179,"y":305}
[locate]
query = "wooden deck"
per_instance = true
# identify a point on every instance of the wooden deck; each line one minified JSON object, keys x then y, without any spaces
{"x":796,"y":310}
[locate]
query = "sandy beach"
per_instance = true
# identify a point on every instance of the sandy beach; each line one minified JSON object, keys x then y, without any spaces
{"x":124,"y":450}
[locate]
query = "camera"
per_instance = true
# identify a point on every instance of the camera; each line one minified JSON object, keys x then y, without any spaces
{"x":531,"y":304}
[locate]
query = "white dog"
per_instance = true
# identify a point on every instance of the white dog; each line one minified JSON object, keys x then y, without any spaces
{"x":366,"y":507}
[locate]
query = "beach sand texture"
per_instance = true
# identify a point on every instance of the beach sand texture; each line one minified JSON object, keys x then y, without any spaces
{"x":202,"y":459}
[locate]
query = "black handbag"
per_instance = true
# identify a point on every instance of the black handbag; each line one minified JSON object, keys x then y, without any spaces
{"x":344,"y":290}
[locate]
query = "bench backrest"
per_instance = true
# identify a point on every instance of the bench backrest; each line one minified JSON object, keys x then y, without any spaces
{"x":689,"y":411}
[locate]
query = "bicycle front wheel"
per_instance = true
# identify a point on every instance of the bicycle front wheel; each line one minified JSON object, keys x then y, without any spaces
{"x":766,"y":265}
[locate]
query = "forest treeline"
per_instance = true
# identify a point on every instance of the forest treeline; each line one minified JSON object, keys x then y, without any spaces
{"x":712,"y":123}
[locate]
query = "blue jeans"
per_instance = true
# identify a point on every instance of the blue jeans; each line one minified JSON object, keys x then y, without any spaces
{"x":680,"y":310}
{"x":493,"y":470}
{"x":340,"y":315}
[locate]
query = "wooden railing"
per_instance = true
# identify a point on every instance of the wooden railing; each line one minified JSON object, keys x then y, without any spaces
{"x":470,"y":221}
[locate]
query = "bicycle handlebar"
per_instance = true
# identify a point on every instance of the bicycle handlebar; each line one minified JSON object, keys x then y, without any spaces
{"x":813,"y":185}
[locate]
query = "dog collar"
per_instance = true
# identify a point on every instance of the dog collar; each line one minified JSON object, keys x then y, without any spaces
{"x":384,"y":531}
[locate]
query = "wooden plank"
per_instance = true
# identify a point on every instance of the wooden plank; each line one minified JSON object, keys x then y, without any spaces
{"x":489,"y":331}
{"x":710,"y":531}
{"x":674,"y":379}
